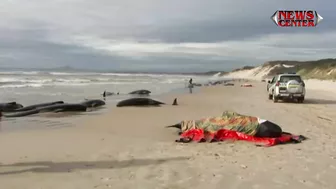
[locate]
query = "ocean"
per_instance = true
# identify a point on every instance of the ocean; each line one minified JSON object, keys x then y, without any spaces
{"x":34,"y":87}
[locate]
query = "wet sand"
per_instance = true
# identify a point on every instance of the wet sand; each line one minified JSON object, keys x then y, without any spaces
{"x":61,"y":120}
{"x":129,"y":148}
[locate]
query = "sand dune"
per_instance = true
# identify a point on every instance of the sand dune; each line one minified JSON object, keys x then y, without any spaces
{"x":257,"y":73}
{"x":129,"y":148}
{"x":261,"y":72}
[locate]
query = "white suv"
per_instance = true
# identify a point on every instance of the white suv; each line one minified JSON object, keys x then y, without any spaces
{"x":286,"y":86}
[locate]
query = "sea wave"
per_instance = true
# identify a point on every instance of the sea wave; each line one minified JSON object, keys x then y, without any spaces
{"x":37,"y":79}
{"x":20,"y":73}
{"x":44,"y":83}
{"x":85,"y":73}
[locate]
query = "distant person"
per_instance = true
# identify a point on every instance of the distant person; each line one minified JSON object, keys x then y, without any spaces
{"x":190,"y":85}
{"x":104,"y":95}
{"x":190,"y":81}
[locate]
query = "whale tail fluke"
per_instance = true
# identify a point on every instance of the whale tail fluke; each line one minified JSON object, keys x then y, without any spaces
{"x":175,"y":102}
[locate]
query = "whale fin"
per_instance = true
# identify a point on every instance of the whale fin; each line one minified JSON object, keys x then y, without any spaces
{"x":178,"y":126}
{"x":175,"y":102}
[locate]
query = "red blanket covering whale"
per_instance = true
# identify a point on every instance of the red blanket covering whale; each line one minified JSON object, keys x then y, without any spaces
{"x":198,"y":135}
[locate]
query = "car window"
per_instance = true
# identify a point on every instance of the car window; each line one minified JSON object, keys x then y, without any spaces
{"x":287,"y":78}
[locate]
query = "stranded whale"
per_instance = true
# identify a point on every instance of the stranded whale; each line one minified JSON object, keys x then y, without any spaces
{"x":141,"y":92}
{"x":139,"y":102}
{"x":10,"y":106}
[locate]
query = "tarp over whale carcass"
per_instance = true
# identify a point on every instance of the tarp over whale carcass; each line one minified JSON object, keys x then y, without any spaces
{"x":231,"y":126}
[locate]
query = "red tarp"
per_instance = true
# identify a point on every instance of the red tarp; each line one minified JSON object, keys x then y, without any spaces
{"x":198,"y":135}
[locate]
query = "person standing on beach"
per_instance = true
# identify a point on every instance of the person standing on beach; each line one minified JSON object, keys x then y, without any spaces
{"x":190,"y":85}
{"x":190,"y":81}
{"x":104,"y":95}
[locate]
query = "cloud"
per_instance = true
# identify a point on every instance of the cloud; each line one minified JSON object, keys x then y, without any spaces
{"x":265,"y":47}
{"x":158,"y":34}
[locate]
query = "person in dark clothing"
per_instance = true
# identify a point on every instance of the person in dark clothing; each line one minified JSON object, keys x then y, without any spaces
{"x":190,"y":86}
{"x":104,"y":95}
{"x":190,"y":81}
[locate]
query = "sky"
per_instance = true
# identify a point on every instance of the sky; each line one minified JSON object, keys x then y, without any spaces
{"x":158,"y":35}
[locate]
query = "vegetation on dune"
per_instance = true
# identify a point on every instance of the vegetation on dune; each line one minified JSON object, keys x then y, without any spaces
{"x":244,"y":68}
{"x":318,"y":69}
{"x":324,"y":69}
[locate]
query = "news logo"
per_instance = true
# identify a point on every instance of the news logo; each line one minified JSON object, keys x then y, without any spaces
{"x":296,"y":18}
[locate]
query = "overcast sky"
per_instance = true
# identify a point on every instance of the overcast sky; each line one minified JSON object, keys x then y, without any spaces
{"x":158,"y":35}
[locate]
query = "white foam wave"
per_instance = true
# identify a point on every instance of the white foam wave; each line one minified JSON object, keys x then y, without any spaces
{"x":21,"y":86}
{"x":141,"y":75}
{"x":41,"y":79}
{"x":89,"y":73}
{"x":8,"y":79}
{"x":72,"y":73}
{"x":20,"y":73}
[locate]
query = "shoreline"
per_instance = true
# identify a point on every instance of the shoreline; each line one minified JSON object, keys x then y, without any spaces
{"x":130,"y":147}
{"x":60,"y":121}
{"x":69,"y":121}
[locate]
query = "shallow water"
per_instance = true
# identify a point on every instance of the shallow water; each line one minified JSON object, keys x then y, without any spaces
{"x":48,"y":91}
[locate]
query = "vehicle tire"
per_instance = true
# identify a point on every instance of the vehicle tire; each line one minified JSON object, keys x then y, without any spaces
{"x":275,"y":99}
{"x":300,"y":100}
{"x":270,"y":96}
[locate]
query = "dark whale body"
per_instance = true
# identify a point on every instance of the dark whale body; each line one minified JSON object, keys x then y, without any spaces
{"x":35,"y":106}
{"x":141,"y":92}
{"x":10,"y":106}
{"x":93,"y":103}
{"x":64,"y":108}
{"x":139,"y":102}
{"x":50,"y":108}
{"x":22,"y":113}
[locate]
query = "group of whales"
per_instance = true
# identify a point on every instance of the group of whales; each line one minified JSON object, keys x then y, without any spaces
{"x":14,"y":109}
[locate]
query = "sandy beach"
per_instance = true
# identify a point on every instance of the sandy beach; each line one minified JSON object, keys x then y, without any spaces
{"x":130,"y":148}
